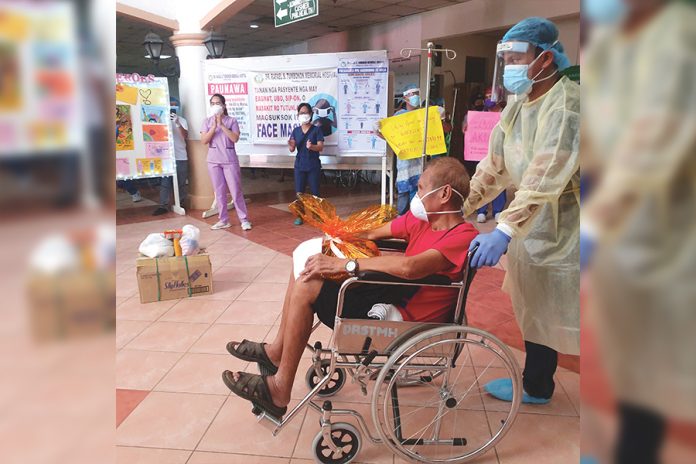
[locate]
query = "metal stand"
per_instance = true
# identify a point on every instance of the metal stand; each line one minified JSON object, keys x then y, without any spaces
{"x":450,"y":55}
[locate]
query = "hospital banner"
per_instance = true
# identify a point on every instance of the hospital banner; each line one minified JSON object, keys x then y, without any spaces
{"x":404,"y":133}
{"x":277,"y":94}
{"x":144,"y":142}
{"x":234,"y":86}
{"x":479,"y":125}
{"x":362,"y":96}
{"x":347,"y":92}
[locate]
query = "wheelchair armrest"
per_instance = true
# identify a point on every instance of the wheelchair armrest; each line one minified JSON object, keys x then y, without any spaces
{"x":391,"y":244}
{"x":388,"y":278}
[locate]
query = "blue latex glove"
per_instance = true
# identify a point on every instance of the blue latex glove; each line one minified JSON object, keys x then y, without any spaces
{"x":490,"y":248}
{"x":587,"y":246}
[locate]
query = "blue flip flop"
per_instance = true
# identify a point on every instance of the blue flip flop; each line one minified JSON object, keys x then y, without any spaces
{"x":502,"y":390}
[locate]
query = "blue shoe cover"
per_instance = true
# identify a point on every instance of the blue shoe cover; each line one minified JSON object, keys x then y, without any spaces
{"x":502,"y":390}
{"x":588,"y":460}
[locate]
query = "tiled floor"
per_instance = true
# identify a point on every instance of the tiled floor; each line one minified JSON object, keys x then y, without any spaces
{"x":172,"y":406}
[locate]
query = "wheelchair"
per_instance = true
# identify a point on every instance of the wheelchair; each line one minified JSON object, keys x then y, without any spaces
{"x":427,"y":405}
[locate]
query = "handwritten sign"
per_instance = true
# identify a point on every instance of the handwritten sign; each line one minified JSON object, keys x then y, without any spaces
{"x":404,"y":133}
{"x":479,"y":125}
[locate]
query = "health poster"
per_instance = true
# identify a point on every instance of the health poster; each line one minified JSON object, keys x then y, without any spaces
{"x":234,"y":86}
{"x":277,"y":94}
{"x":479,"y":125}
{"x":155,"y":133}
{"x":124,"y":128}
{"x":362,"y":96}
{"x":144,"y":142}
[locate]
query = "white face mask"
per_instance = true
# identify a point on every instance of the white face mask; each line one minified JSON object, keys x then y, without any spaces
{"x":304,"y":118}
{"x":216,"y":109}
{"x":418,"y":208}
{"x":322,"y":112}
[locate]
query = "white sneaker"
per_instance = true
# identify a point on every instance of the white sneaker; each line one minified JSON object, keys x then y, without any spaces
{"x":497,"y":216}
{"x":136,"y":197}
{"x":246,"y":225}
{"x":481,"y":218}
{"x":220,"y":225}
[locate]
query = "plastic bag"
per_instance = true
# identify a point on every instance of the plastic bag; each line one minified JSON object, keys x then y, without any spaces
{"x":341,"y":236}
{"x":156,"y":246}
{"x":190,"y":240}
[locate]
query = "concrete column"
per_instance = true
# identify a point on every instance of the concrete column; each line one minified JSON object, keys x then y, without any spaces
{"x":192,"y":53}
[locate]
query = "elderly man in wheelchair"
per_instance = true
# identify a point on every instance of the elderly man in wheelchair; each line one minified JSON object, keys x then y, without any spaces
{"x":422,"y":340}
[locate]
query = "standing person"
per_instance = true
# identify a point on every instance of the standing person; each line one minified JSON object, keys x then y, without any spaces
{"x":129,"y":186}
{"x":408,"y":171}
{"x":308,"y":139}
{"x":180,"y":129}
{"x":220,"y":132}
{"x":535,"y":148}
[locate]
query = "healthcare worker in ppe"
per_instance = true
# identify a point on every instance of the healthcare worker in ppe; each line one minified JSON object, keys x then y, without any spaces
{"x":408,"y":171}
{"x":535,"y":149}
{"x":638,"y":75}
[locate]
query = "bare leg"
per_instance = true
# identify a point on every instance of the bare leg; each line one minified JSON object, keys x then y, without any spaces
{"x":275,"y":349}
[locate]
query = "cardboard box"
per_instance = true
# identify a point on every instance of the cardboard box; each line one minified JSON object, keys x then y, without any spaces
{"x":72,"y":304}
{"x":161,"y":279}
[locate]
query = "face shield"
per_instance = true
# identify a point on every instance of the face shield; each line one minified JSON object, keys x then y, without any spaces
{"x":511,"y":52}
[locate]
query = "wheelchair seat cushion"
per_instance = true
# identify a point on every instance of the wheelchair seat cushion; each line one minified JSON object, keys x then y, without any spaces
{"x":358,"y":300}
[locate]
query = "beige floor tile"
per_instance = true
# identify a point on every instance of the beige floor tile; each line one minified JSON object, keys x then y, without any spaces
{"x":218,"y":260}
{"x":126,"y":285}
{"x":570,"y":382}
{"x":128,"y":330}
{"x":263,"y":292}
{"x":132,"y":309}
{"x":195,"y":310}
{"x":226,"y":247}
{"x":232,"y":429}
{"x":200,"y":373}
{"x":540,"y":439}
{"x":169,"y":420}
{"x":214,"y":340}
{"x":225,"y":291}
{"x":131,"y":455}
{"x":251,"y":312}
{"x":253,"y":255}
{"x":237,"y":273}
{"x":275,"y":274}
{"x":168,"y":336}
{"x":124,"y":267}
{"x":141,"y":370}
{"x":559,"y":405}
{"x":200,"y":457}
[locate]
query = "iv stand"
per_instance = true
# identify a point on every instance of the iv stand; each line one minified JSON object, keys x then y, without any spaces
{"x":406,"y":53}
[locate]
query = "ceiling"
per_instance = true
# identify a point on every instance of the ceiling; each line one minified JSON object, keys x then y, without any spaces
{"x":334,"y":16}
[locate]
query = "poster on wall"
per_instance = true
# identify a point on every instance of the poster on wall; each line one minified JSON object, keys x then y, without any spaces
{"x":144,"y":142}
{"x":362,"y":98}
{"x":234,"y":86}
{"x":479,"y":126}
{"x":277,"y":94}
{"x":269,"y":89}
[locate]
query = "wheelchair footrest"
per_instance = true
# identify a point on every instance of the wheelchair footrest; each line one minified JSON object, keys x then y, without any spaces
{"x":421,"y":441}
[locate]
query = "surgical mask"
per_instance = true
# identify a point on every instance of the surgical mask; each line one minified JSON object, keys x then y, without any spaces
{"x":516,"y":79}
{"x":604,"y":11}
{"x":304,"y":118}
{"x":322,"y":112}
{"x":414,"y":100}
{"x":418,"y":208}
{"x":216,"y":109}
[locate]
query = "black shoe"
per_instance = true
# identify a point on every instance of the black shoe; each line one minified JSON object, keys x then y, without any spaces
{"x":160,"y":211}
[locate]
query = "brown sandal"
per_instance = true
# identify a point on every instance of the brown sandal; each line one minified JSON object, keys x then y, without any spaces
{"x":253,"y":387}
{"x":253,"y":352}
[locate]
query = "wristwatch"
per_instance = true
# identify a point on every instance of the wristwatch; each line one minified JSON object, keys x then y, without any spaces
{"x":352,"y":267}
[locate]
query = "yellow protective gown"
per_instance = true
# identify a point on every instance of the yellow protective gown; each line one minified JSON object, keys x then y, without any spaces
{"x":535,"y":148}
{"x":639,"y":97}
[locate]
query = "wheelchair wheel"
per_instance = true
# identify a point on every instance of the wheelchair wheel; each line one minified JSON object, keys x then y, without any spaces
{"x":445,"y":415}
{"x":336,"y":382}
{"x":345,"y":436}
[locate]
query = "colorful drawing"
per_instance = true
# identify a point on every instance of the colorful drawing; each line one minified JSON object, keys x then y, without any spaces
{"x":123,"y":166}
{"x":154,"y":114}
{"x":157,"y":149}
{"x":10,"y":94}
{"x":126,"y":94}
{"x":155,"y":133}
{"x":149,"y":166}
{"x":152,"y":97}
{"x":124,"y":128}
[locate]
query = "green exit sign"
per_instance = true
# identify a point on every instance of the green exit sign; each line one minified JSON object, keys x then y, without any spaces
{"x":291,"y":11}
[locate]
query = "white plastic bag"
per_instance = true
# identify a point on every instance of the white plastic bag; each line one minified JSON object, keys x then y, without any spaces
{"x":190,"y":240}
{"x":156,"y":246}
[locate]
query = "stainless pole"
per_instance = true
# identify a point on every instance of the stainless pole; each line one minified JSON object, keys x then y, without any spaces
{"x":427,"y":103}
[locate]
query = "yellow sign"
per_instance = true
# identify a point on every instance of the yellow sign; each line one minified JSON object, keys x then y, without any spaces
{"x":404,"y":133}
{"x":126,"y":94}
{"x":148,"y":166}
